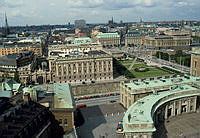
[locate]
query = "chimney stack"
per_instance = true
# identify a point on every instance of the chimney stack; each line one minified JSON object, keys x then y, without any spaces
{"x":26,"y":97}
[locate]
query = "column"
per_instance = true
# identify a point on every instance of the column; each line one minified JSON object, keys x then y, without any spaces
{"x":166,"y":112}
{"x":188,"y":105}
{"x":174,"y":109}
{"x":195,"y":103}
{"x":179,"y":107}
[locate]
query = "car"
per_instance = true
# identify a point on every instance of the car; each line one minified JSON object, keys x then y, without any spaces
{"x":113,"y":101}
{"x":120,"y":128}
{"x":81,"y":105}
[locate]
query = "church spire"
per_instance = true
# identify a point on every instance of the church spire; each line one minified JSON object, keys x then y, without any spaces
{"x":6,"y":29}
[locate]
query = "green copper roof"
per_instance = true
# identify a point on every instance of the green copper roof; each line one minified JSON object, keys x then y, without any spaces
{"x":6,"y":94}
{"x":107,"y":35}
{"x":137,"y":86}
{"x":10,"y":85}
{"x":142,"y":111}
{"x":195,"y":52}
{"x":63,"y":96}
{"x":82,"y":40}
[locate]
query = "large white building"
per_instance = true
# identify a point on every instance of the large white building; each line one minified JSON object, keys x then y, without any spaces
{"x":153,"y":100}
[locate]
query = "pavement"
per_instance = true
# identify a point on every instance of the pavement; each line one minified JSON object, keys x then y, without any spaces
{"x":101,"y":121}
{"x":183,"y":126}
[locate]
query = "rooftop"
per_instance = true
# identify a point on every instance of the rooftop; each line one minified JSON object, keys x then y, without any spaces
{"x":63,"y":96}
{"x":195,"y":52}
{"x":82,"y":40}
{"x":11,"y":59}
{"x":16,"y":118}
{"x":106,"y":35}
{"x":142,"y":111}
{"x":9,"y":85}
{"x":136,"y":86}
{"x":58,"y":94}
{"x":76,"y":55}
{"x":16,"y":45}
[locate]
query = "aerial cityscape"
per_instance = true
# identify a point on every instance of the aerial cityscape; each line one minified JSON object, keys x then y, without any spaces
{"x":99,"y":69}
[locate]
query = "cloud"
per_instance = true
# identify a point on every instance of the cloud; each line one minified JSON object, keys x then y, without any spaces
{"x":62,"y":11}
{"x":110,"y":4}
{"x":11,"y":3}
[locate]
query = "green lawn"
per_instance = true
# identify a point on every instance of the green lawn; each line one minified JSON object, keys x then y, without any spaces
{"x":153,"y":71}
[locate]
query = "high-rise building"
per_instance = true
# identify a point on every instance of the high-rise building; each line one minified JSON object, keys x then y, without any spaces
{"x":80,"y":23}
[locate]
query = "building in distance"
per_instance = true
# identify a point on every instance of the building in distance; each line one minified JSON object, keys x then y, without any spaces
{"x":80,"y":23}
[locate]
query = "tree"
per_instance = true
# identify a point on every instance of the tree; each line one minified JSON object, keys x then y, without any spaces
{"x":16,"y":76}
{"x":179,"y":53}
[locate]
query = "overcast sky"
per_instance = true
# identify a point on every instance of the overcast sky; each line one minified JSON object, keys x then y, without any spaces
{"x":22,"y":12}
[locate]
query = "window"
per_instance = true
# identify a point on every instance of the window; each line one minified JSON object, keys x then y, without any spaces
{"x":60,"y":122}
{"x":195,"y":64}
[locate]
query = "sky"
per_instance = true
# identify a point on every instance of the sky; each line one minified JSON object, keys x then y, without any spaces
{"x":40,"y":12}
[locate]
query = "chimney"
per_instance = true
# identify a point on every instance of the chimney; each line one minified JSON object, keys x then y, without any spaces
{"x":26,"y":97}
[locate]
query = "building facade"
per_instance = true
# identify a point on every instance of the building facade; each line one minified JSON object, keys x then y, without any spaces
{"x":108,"y":39}
{"x":80,"y":23}
{"x":59,"y":99}
{"x":19,"y":48}
{"x":133,"y":39}
{"x":17,"y":64}
{"x":173,"y":42}
{"x":93,"y":66}
{"x":195,"y":63}
{"x":153,"y":100}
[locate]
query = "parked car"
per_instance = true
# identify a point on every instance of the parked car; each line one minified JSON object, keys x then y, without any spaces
{"x":120,"y":127}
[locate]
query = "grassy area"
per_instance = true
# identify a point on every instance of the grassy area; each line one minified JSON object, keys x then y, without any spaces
{"x":152,"y":72}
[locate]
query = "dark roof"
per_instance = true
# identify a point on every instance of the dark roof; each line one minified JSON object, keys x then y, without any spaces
{"x":19,"y":118}
{"x":11,"y":59}
{"x":10,"y":45}
{"x":96,"y":52}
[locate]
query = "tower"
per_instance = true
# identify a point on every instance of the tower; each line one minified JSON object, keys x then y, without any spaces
{"x":6,"y":27}
{"x":112,"y":20}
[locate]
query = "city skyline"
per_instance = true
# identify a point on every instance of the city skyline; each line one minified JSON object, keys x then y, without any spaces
{"x":29,"y":12}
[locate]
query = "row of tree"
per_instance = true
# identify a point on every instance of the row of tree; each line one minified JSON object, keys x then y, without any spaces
{"x":179,"y":57}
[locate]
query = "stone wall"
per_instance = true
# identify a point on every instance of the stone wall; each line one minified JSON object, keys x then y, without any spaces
{"x":95,"y":88}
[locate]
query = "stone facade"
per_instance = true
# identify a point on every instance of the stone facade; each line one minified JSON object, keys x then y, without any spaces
{"x":81,"y":69}
{"x":65,"y":118}
{"x":154,"y":100}
{"x":173,"y":42}
{"x":37,"y":49}
{"x":97,"y":88}
{"x":166,"y":111}
{"x":195,"y":63}
{"x":133,"y":40}
{"x":108,"y":39}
